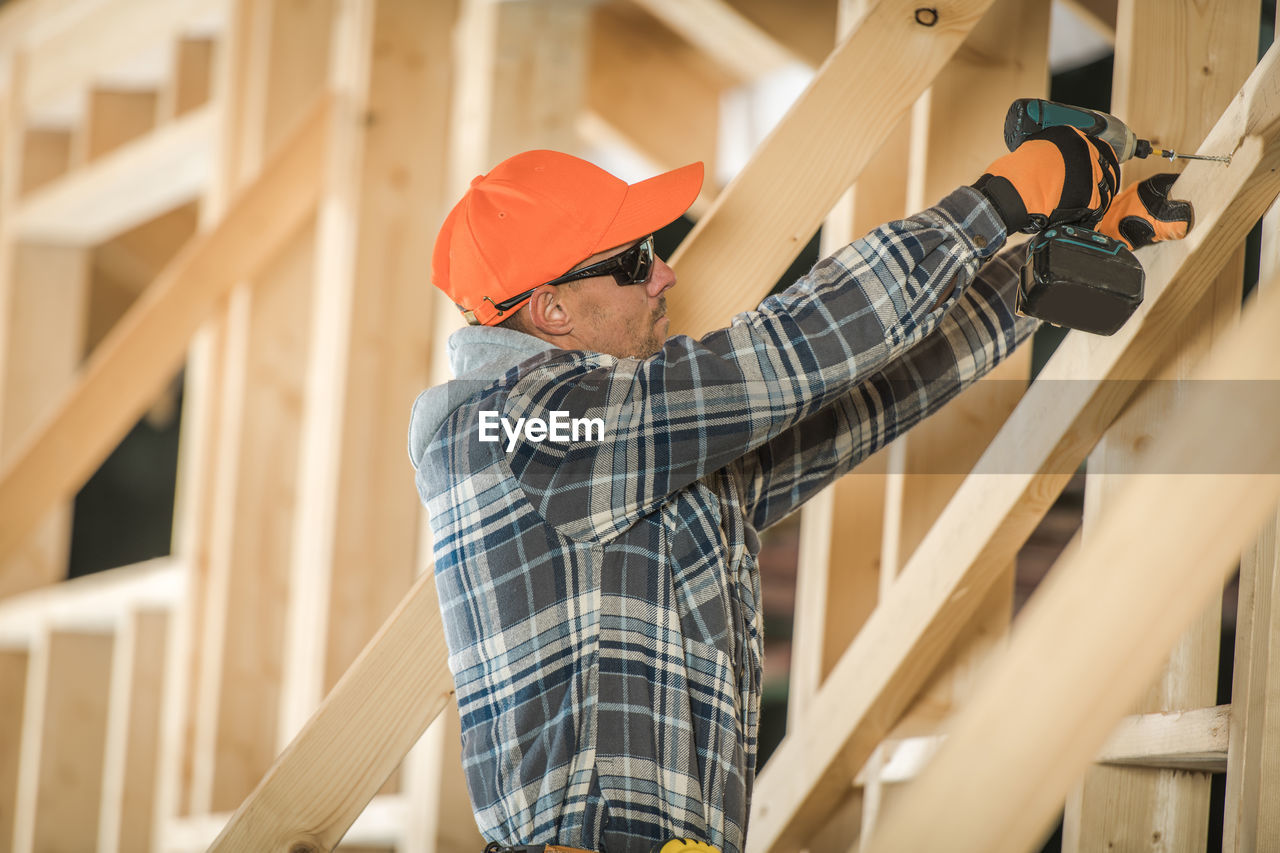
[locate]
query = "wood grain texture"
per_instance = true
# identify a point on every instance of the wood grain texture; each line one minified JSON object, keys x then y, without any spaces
{"x":766,"y":215}
{"x":724,"y":34}
{"x":1042,"y":443}
{"x":1178,"y":65}
{"x":148,"y":345}
{"x":364,"y":728}
{"x":1250,"y":820}
{"x":1046,"y":707}
{"x":72,"y":738}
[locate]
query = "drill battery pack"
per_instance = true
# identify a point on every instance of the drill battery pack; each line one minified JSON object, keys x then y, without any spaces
{"x":1080,"y":279}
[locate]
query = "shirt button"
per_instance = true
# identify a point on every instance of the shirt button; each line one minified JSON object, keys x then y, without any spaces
{"x":980,"y":241}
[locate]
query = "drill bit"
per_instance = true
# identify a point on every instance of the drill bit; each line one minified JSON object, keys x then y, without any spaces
{"x":1169,"y":155}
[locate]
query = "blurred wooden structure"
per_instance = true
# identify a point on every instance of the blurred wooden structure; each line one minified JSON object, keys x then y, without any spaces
{"x":247,"y":191}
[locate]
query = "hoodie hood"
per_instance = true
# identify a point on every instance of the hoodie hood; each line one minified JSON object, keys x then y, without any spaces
{"x":478,"y":356}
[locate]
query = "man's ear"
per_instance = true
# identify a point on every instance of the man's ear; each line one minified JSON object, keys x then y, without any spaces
{"x":549,"y":313}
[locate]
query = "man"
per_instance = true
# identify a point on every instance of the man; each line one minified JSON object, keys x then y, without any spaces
{"x":599,"y":588}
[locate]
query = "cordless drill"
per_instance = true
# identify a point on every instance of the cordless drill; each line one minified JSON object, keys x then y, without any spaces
{"x":1074,"y":276}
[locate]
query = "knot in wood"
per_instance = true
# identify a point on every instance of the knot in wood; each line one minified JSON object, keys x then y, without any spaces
{"x":926,"y":16}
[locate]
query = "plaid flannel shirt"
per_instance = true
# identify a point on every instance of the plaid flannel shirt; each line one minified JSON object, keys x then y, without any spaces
{"x":601,"y":599}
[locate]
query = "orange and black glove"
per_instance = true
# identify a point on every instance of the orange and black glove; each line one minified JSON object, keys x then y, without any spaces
{"x":1144,"y":214}
{"x":1056,"y":175}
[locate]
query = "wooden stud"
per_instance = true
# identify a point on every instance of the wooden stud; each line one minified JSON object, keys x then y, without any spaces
{"x":803,"y":27}
{"x":443,"y":822}
{"x":121,"y":41}
{"x":193,"y":66}
{"x":60,"y":782}
{"x":256,"y":489}
{"x":1199,"y":55}
{"x":201,"y":414}
{"x":953,"y":139}
{"x":1046,"y":707}
{"x":355,"y":536}
{"x":1039,"y":447}
{"x":1253,"y":759}
{"x":662,"y":75}
{"x":129,"y":774}
{"x":520,"y":84}
{"x":770,"y":210}
{"x":361,"y":732}
{"x":164,"y":170}
{"x":13,"y":682}
{"x":115,"y":118}
{"x":838,"y":563}
{"x":44,"y":316}
{"x":147,"y":346}
{"x":46,"y":157}
{"x":251,"y":548}
{"x":724,"y":34}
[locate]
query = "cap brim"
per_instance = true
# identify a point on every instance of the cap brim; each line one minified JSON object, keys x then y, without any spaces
{"x":651,"y":204}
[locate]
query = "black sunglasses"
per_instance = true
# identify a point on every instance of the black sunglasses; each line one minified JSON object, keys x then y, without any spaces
{"x":634,"y":266}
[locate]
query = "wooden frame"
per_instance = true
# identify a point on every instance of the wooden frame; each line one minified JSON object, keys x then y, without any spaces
{"x":341,"y":218}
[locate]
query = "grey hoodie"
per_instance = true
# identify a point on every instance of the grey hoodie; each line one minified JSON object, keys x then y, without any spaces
{"x":478,"y":355}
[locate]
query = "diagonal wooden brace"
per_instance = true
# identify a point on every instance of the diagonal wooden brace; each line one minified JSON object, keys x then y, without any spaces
{"x":1101,"y":626}
{"x":733,"y":257}
{"x":145,"y":349}
{"x":1049,"y":434}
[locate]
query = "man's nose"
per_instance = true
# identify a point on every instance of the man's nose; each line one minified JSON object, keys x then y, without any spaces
{"x":662,"y":278}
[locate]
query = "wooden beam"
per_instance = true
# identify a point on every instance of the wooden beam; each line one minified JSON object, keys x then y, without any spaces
{"x":1194,"y":740}
{"x":804,"y":27}
{"x":46,"y":157}
{"x":1253,"y":761}
{"x":44,"y":300}
{"x":13,"y":686}
{"x":93,"y":603}
{"x":1178,"y":64}
{"x":1179,"y":740}
{"x":115,"y":117}
{"x":952,"y":139}
{"x":232,"y":92}
{"x":363,"y":729}
{"x":138,"y":182}
{"x":129,"y":772}
{"x":1038,"y":449}
{"x":112,"y":41}
{"x":724,"y":34}
{"x":770,"y":210}
{"x":1013,"y":753}
{"x":355,"y":545}
{"x":837,"y":578}
{"x":256,"y":488}
{"x":520,"y":84}
{"x":190,"y":84}
{"x":60,"y":781}
{"x":147,"y":347}
{"x":663,"y":75}
{"x":838,"y":564}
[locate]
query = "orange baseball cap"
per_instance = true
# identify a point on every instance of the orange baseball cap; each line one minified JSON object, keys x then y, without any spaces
{"x":537,"y":215}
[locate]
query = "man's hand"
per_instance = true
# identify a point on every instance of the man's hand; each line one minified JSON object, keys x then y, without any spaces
{"x":1144,"y":214}
{"x":1056,"y":175}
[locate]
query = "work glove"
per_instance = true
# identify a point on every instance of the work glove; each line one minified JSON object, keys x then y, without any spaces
{"x":1144,"y":214}
{"x":1057,"y":175}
